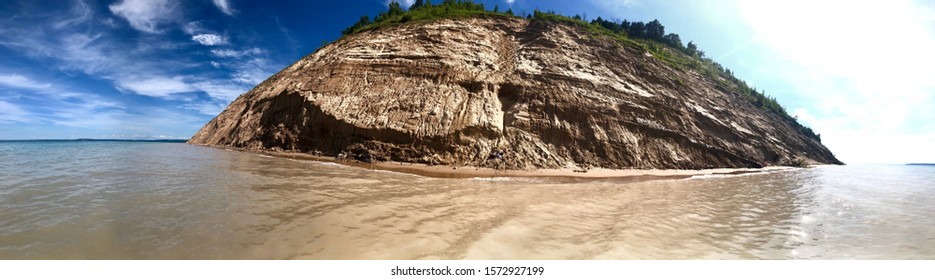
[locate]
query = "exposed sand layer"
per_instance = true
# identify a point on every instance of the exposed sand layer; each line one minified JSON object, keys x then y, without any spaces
{"x":449,"y":171}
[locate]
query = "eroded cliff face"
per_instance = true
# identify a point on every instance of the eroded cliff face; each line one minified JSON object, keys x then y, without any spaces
{"x":546,"y":95}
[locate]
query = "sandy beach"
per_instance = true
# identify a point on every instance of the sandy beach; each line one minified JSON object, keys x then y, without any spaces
{"x":449,"y":171}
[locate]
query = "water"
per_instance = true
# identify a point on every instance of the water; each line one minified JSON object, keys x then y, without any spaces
{"x":108,"y":200}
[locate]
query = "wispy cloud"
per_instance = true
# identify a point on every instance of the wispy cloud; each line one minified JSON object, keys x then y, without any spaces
{"x":91,"y":74}
{"x":292,"y":42}
{"x":235,"y":54}
{"x":222,"y":91}
{"x":194,"y":27}
{"x":81,"y":13}
{"x":85,"y":53}
{"x":39,"y":89}
{"x":209,"y":39}
{"x":163,"y":87}
{"x":10,"y":112}
{"x":253,"y":71}
{"x":19,"y":81}
{"x":145,"y":15}
{"x":143,"y":69}
{"x":54,"y":104}
{"x":225,"y":7}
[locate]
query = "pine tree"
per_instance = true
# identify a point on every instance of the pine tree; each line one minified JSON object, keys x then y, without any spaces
{"x":364,"y":21}
{"x":395,"y":9}
{"x":674,"y":40}
{"x":655,"y":30}
{"x":637,"y":29}
{"x":416,"y":5}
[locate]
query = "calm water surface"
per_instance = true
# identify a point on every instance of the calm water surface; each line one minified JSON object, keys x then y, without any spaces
{"x":109,"y":200}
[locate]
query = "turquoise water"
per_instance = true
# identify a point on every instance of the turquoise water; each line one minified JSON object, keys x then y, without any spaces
{"x":130,"y":200}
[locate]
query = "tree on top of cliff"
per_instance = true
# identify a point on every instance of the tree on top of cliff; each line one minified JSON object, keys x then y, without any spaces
{"x":416,"y":5}
{"x":655,"y":30}
{"x":395,"y":9}
{"x":673,"y":40}
{"x":693,"y":50}
{"x":364,"y":21}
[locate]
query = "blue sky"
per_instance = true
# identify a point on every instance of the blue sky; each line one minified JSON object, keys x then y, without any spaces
{"x":858,"y":72}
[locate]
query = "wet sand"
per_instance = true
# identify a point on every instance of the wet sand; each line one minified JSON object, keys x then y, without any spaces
{"x":97,"y":200}
{"x":449,"y":171}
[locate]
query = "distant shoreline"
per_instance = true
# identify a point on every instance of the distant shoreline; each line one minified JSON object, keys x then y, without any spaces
{"x":451,"y":171}
{"x":921,"y":164}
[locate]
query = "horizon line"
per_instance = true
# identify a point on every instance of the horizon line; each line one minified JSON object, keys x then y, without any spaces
{"x":98,"y":139}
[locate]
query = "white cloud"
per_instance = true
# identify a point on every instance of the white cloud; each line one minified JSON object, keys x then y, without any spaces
{"x":252,"y":72}
{"x":19,"y":81}
{"x":80,"y":13}
{"x":209,"y":39}
{"x":220,"y":90}
{"x":225,"y":6}
{"x":207,"y":108}
{"x":162,"y":87}
{"x":85,"y":53}
{"x":78,"y":41}
{"x":86,"y":114}
{"x":225,"y":92}
{"x":109,"y":22}
{"x":9,"y":112}
{"x":144,"y":15}
{"x":510,"y":2}
{"x":44,"y":91}
{"x":61,"y":107}
{"x":235,"y":54}
{"x":193,"y":27}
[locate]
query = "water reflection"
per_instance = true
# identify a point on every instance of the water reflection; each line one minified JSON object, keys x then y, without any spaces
{"x":178,"y":201}
{"x":380,"y":215}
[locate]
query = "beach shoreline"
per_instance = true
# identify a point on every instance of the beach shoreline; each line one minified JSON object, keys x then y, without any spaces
{"x":450,"y":171}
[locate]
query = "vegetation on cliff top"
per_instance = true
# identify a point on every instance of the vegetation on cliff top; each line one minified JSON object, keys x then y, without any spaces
{"x":651,"y":37}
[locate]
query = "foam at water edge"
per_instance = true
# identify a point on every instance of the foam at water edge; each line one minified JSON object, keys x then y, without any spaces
{"x":491,"y":179}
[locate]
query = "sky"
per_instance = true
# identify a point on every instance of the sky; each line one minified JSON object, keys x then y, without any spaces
{"x":860,"y":73}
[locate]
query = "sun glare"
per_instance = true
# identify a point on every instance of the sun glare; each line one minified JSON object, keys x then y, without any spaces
{"x":865,"y":64}
{"x":831,"y":34}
